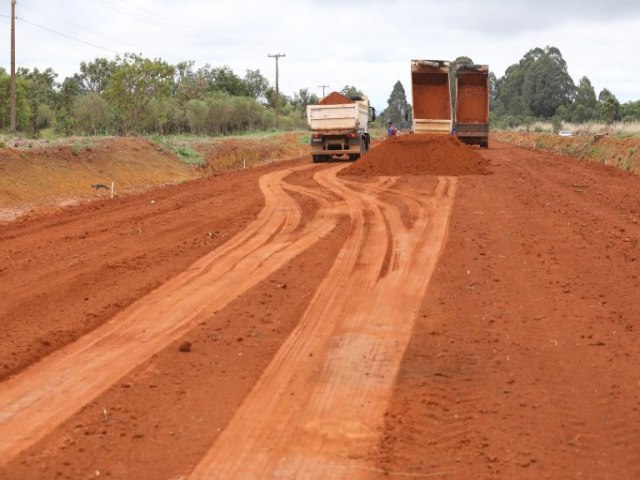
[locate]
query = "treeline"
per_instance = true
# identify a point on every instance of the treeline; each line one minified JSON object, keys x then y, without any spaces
{"x":539,"y":87}
{"x":137,"y":95}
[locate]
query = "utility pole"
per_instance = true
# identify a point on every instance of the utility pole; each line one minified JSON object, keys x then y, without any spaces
{"x":277,"y":57}
{"x":12,"y":86}
{"x":323,"y":87}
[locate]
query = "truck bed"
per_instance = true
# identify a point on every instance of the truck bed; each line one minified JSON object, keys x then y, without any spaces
{"x":431,"y":96}
{"x":337,"y":118}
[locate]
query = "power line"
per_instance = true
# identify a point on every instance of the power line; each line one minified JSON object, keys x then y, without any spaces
{"x":153,"y":19}
{"x":150,"y":14}
{"x":70,"y":25}
{"x":65,"y":35}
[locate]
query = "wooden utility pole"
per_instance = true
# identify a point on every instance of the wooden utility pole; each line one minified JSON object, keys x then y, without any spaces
{"x":277,"y":57}
{"x":12,"y":87}
{"x":323,"y":87}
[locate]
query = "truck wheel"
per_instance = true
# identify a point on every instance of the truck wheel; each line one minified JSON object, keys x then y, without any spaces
{"x":316,"y":158}
{"x":354,"y":156}
{"x":484,"y":144}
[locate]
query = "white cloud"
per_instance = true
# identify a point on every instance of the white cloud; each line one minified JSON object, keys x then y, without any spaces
{"x":364,"y":43}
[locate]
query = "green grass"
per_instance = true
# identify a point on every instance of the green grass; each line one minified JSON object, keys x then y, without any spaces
{"x":189,"y":156}
{"x":80,"y":145}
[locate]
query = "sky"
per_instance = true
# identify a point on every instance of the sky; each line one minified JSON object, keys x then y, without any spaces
{"x":365,"y":43}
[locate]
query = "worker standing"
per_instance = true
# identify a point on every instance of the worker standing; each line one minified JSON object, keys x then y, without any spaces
{"x":391,"y":130}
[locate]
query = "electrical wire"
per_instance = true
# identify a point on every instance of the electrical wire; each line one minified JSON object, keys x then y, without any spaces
{"x":159,"y":20}
{"x":64,"y":35}
{"x":150,"y":14}
{"x":71,"y":26}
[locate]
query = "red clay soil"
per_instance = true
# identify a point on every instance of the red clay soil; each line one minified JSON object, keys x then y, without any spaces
{"x":420,"y":155}
{"x":335,"y":98}
{"x":523,"y":362}
{"x":431,"y":96}
{"x":111,"y":251}
{"x":473,"y":101}
{"x":52,"y":175}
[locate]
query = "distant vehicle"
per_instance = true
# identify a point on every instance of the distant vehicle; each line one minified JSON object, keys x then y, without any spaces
{"x":565,"y":133}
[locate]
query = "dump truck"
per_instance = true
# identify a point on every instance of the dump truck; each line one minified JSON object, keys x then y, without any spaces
{"x":472,"y":104}
{"x":339,"y":126}
{"x":431,"y":94}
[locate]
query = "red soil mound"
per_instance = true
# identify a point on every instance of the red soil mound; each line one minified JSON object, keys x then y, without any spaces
{"x":335,"y":98}
{"x":420,"y":155}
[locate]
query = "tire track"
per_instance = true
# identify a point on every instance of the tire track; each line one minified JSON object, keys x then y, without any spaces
{"x":40,"y":398}
{"x":317,"y":409}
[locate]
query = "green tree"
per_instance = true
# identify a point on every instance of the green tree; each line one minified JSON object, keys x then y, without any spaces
{"x":630,"y":111}
{"x":91,"y":113}
{"x":397,"y":106}
{"x":94,"y":76}
{"x":608,"y":107}
{"x":585,"y":102}
{"x":302,"y":98}
{"x":547,"y":84}
{"x":351,"y":91}
{"x":255,"y":84}
{"x":197,"y":112}
{"x":136,"y":81}
{"x":537,"y":85}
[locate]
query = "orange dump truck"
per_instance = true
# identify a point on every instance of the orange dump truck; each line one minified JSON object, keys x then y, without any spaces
{"x":472,"y":104}
{"x":431,"y":97}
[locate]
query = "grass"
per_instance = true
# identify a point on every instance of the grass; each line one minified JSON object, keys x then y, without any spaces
{"x":189,"y":156}
{"x":80,"y":145}
{"x":617,"y":129}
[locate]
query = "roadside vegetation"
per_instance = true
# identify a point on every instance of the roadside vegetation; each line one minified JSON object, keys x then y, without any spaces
{"x":134,"y":95}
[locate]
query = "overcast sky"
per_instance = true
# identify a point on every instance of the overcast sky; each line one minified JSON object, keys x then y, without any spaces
{"x":366,"y":43}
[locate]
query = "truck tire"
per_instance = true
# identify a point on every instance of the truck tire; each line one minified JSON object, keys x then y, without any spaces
{"x":316,"y":158}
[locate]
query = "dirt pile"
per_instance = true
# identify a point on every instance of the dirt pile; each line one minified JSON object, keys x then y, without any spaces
{"x":420,"y":155}
{"x":335,"y":98}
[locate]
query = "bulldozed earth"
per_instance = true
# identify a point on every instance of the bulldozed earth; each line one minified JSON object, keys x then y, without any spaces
{"x":403,"y":316}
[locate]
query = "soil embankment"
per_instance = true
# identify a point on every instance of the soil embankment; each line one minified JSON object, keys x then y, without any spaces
{"x":45,"y":178}
{"x":620,"y":152}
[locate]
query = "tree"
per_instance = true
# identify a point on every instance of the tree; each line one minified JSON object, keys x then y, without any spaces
{"x":189,"y":84}
{"x":585,"y":102}
{"x":136,"y":81}
{"x":547,"y":84}
{"x":397,"y":106}
{"x":608,"y":107}
{"x":255,"y":84}
{"x":537,"y":85}
{"x":91,"y":113}
{"x":302,"y":98}
{"x":351,"y":91}
{"x":43,"y":117}
{"x":94,"y":76}
{"x":630,"y":111}
{"x":197,"y":112}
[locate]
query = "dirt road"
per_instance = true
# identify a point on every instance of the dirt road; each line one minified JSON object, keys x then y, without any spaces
{"x":315,"y":341}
